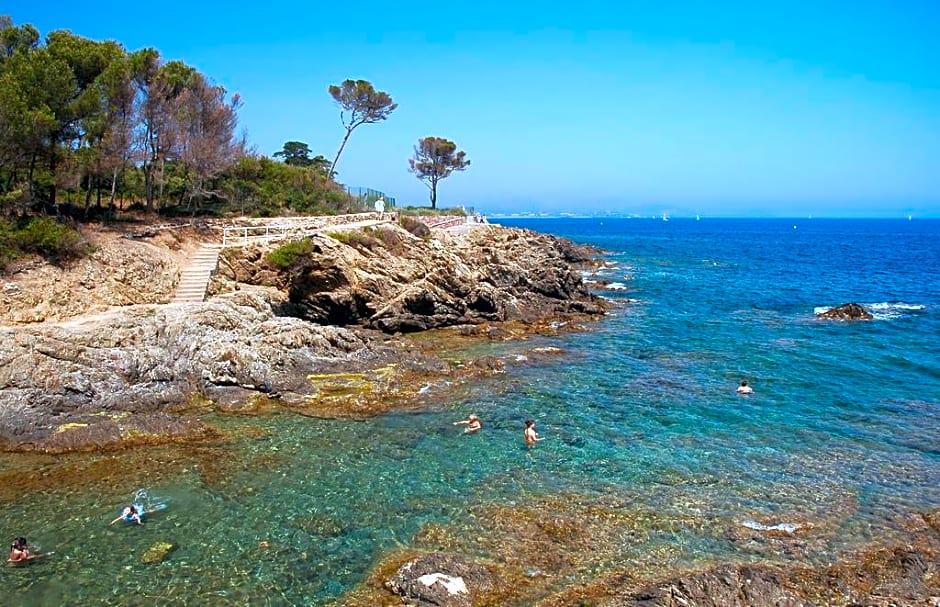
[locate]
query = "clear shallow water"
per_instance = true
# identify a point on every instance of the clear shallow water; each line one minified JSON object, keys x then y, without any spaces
{"x":842,"y":431}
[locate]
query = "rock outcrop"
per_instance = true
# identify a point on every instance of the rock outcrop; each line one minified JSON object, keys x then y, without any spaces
{"x":305,"y":332}
{"x":120,"y":272}
{"x":390,"y":280}
{"x":849,"y":311}
{"x":889,"y":576}
{"x":106,"y":377}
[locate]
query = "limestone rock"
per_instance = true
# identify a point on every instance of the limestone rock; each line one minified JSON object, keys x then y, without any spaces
{"x":117,"y":377}
{"x":849,"y":311}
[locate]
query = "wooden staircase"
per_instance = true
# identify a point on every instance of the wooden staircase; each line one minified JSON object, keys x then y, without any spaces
{"x":195,"y":276}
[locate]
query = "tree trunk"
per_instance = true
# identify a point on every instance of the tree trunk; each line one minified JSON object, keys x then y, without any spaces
{"x":162,"y":178}
{"x":433,"y":187}
{"x":338,"y":152}
{"x":114,"y":177}
{"x":52,"y":186}
{"x":29,"y":179}
{"x":87,"y":195}
{"x":148,"y":185}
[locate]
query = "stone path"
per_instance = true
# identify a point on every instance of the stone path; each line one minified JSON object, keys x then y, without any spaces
{"x":194,"y":277}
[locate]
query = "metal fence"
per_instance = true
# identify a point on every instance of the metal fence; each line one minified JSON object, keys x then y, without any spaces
{"x":369,"y":196}
{"x":293,"y":228}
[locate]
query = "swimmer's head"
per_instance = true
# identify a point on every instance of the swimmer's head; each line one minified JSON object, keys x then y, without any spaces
{"x":473,"y":416}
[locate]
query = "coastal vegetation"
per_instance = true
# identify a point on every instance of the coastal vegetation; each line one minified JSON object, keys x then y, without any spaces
{"x":43,"y":236}
{"x":288,"y":254}
{"x":90,"y":131}
{"x":364,"y":105}
{"x":435,"y":158}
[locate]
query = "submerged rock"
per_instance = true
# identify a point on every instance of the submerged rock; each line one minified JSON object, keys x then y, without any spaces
{"x":744,"y":586}
{"x":441,"y":580}
{"x":158,"y":553}
{"x":849,"y":311}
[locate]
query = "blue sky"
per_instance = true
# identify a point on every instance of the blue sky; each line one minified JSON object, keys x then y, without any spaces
{"x":716,"y":108}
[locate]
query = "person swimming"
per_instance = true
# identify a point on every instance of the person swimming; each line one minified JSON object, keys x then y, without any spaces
{"x":19,"y":551}
{"x":530,"y":435}
{"x":130,"y":514}
{"x":744,"y":388}
{"x":472,"y":422}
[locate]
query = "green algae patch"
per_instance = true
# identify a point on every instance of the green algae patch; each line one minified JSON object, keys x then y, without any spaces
{"x":70,"y":426}
{"x":158,"y":552}
{"x":342,"y":384}
{"x":113,"y":415}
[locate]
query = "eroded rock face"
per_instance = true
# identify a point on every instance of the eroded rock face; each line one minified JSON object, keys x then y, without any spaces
{"x":441,"y":580}
{"x":98,"y":379}
{"x":120,"y":272}
{"x":376,"y":281}
{"x":849,"y":311}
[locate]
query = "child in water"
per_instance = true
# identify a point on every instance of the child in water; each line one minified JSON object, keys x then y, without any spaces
{"x":473,"y":424}
{"x":19,"y":551}
{"x":130,"y":513}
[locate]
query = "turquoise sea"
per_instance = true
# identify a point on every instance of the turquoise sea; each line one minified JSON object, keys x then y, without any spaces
{"x":841,"y":434}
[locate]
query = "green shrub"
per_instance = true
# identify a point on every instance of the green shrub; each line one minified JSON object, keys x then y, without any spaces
{"x":51,"y":238}
{"x":356,"y":239}
{"x":288,"y":255}
{"x":426,"y":211}
{"x":43,"y":236}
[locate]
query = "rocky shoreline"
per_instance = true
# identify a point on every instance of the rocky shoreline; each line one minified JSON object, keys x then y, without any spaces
{"x":323,"y":334}
{"x":541,"y":555}
{"x":356,"y":325}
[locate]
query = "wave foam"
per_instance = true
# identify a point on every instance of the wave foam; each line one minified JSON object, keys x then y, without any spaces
{"x":884,"y":310}
{"x":785,"y":527}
